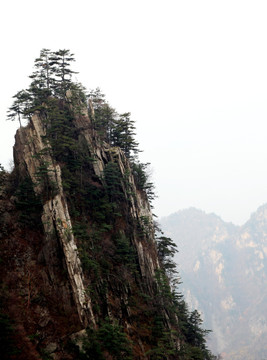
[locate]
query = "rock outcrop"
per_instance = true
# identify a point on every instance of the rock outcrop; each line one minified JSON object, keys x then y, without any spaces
{"x":83,"y":274}
{"x":55,"y":216}
{"x":50,"y":281}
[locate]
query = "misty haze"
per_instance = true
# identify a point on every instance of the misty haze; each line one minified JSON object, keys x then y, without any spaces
{"x":133,"y":154}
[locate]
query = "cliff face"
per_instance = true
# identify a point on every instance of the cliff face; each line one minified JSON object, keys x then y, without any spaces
{"x":71,"y":260}
{"x":55,"y":214}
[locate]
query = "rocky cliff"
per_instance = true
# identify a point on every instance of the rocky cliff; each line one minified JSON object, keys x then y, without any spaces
{"x":82,"y":273}
{"x":45,"y":273}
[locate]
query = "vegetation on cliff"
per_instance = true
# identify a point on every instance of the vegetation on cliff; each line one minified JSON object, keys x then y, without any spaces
{"x":129,"y":277}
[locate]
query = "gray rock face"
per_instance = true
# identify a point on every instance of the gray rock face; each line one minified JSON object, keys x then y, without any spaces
{"x":224,"y":273}
{"x":55,"y":218}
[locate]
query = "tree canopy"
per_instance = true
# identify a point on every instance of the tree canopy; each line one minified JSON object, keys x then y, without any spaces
{"x":51,"y":78}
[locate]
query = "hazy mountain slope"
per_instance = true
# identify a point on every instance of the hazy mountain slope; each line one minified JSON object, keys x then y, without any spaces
{"x":223,"y":269}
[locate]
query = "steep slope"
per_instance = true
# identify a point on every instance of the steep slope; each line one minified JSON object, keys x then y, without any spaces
{"x":81,"y":276}
{"x":225,"y":277}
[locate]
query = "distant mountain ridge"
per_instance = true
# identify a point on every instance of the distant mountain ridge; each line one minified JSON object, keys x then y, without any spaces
{"x":224,"y":273}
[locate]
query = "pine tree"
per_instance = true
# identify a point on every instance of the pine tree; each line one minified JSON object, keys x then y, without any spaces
{"x":20,"y":109}
{"x":166,"y":250}
{"x":61,"y":61}
{"x":104,"y":116}
{"x":97,"y":98}
{"x":123,"y":135}
{"x":43,"y":75}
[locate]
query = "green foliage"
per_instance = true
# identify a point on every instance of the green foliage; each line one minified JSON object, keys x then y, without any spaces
{"x":78,"y":98}
{"x":60,"y":130}
{"x":44,"y":69}
{"x":91,"y":349}
{"x":109,"y":339}
{"x":113,"y":339}
{"x":44,"y":179}
{"x":192,"y":336}
{"x":21,"y":106}
{"x":123,"y":135}
{"x":166,"y":251}
{"x":104,"y":116}
{"x":195,"y":334}
{"x":141,"y":177}
{"x":52,"y":77}
{"x":144,"y":226}
{"x":28,"y":203}
{"x":124,"y":251}
{"x":188,"y":352}
{"x":164,"y":289}
{"x":87,"y":249}
{"x":113,"y":179}
{"x":165,"y":348}
{"x":61,"y":61}
{"x":116,"y":129}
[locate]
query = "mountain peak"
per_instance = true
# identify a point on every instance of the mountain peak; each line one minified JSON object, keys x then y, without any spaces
{"x":224,"y":274}
{"x":79,"y":255}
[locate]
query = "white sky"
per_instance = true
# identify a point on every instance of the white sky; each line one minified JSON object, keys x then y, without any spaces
{"x":193,"y":73}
